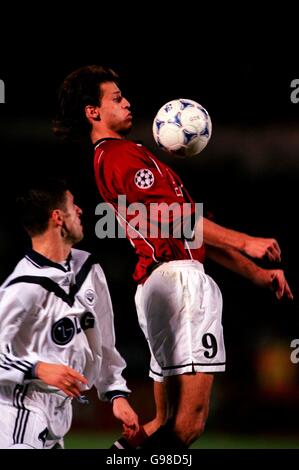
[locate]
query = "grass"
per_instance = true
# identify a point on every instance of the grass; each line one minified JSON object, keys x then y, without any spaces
{"x":76,"y":440}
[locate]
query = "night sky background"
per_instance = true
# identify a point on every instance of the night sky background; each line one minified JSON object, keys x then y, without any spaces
{"x":248,"y":177}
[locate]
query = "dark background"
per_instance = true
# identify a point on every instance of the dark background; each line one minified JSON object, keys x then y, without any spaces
{"x":247,"y":177}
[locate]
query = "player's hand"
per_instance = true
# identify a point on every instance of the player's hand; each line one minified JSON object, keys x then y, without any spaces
{"x":256,"y":247}
{"x":275,"y":280}
{"x":123,"y":411}
{"x":63,"y":377}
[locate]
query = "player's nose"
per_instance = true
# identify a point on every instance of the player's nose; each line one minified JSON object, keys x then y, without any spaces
{"x":79,"y":210}
{"x":126,"y":103}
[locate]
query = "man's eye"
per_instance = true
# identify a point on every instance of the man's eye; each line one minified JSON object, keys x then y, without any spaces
{"x":118,"y":99}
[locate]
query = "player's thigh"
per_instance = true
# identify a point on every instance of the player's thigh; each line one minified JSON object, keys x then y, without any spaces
{"x":182,"y":309}
{"x":21,"y":428}
{"x":155,"y":371}
{"x":188,"y":395}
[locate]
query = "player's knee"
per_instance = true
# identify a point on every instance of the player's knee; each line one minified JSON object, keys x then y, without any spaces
{"x":189,"y":430}
{"x":191,"y":433}
{"x":199,"y":428}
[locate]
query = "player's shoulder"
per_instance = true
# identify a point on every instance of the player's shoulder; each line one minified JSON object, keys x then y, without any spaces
{"x":22,"y":268}
{"x":119,"y":149}
{"x":88,"y":264}
{"x":82,"y":259}
{"x":117,"y":156}
{"x":79,"y":255}
{"x":110,"y":143}
{"x":13,"y":286}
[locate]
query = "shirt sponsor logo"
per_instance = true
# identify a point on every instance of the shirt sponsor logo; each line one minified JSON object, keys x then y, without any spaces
{"x":63,"y":331}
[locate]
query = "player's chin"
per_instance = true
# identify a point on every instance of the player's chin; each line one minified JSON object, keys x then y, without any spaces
{"x":126,"y":127}
{"x":79,"y":236}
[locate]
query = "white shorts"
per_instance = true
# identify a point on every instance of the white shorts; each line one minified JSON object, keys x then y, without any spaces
{"x":179,"y":309}
{"x":33,"y":419}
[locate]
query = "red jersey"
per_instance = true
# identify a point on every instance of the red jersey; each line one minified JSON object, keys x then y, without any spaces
{"x":127,"y":168}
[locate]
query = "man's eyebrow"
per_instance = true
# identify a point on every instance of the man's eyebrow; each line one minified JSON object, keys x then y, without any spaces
{"x":116,"y":92}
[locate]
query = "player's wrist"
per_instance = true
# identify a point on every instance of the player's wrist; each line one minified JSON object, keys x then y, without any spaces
{"x":31,"y":373}
{"x":111,"y":396}
{"x":259,"y":276}
{"x":243,"y":241}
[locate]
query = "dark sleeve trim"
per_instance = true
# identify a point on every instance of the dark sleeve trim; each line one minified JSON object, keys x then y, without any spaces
{"x":116,"y":394}
{"x":30,"y":374}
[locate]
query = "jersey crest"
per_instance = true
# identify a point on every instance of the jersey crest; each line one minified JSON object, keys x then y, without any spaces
{"x":144,"y":178}
{"x":90,"y":296}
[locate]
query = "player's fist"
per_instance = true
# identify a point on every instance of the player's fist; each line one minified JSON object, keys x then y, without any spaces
{"x":123,"y":411}
{"x":275,"y":280}
{"x":256,"y":247}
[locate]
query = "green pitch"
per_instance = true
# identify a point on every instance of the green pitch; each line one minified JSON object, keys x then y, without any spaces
{"x":75,"y":440}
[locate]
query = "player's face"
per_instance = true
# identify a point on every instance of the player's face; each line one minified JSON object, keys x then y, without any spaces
{"x":115,"y":109}
{"x":72,"y":227}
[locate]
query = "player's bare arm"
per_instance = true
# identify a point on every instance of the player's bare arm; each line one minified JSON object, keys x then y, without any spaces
{"x":255,"y":247}
{"x":63,"y":377}
{"x":123,"y":411}
{"x":232,"y":259}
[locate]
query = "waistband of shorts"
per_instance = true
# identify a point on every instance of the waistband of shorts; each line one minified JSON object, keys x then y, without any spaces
{"x":46,"y":389}
{"x":180,"y":263}
{"x":7,"y":391}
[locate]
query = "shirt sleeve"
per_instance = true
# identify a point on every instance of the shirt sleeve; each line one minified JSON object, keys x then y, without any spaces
{"x":14,"y":369}
{"x":110,"y":382}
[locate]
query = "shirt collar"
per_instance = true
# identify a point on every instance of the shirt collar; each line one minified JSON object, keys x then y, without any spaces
{"x":98,"y":142}
{"x":41,"y":260}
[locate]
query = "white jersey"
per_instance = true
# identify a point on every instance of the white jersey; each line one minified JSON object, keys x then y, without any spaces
{"x":63,"y":315}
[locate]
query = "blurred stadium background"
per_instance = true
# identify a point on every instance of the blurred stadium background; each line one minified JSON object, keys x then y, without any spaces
{"x":247,"y":178}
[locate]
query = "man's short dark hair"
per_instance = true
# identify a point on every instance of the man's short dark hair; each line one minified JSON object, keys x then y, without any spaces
{"x":79,"y":89}
{"x":36,"y":202}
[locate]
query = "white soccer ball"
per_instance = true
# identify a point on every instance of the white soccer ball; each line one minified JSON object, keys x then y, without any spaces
{"x":182,"y":127}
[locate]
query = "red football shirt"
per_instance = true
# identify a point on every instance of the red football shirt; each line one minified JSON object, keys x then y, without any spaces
{"x":126,"y":168}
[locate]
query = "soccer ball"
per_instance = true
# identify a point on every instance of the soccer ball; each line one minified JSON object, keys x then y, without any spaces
{"x":182,"y":127}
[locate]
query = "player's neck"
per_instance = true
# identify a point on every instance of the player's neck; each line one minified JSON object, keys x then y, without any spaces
{"x":97,"y":134}
{"x":48,"y":245}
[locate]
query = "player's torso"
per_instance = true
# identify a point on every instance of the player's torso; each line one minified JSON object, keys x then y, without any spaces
{"x":127,"y":173}
{"x":143,"y":164}
{"x":55,"y":329}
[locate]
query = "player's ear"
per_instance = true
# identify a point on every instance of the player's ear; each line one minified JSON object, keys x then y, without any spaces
{"x":92,"y":113}
{"x":56,"y":217}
